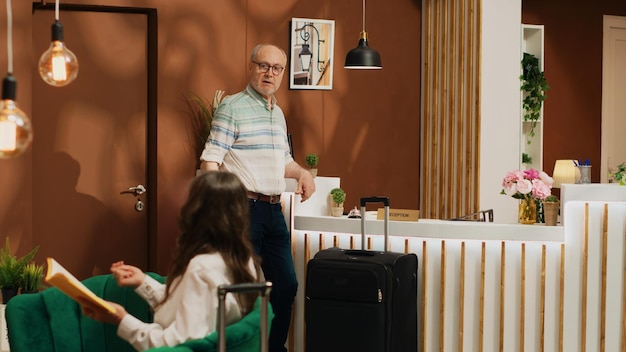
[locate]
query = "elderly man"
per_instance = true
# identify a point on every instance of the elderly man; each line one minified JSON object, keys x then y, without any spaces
{"x":249,"y":138}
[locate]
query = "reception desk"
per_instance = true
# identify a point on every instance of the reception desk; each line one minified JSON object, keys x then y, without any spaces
{"x":427,"y":228}
{"x":607,"y":192}
{"x":471,"y":278}
{"x":496,"y":287}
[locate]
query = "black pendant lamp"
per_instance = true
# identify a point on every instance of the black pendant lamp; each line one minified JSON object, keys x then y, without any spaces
{"x":363,"y":57}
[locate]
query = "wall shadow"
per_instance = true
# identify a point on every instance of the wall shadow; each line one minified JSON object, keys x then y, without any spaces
{"x":74,"y":228}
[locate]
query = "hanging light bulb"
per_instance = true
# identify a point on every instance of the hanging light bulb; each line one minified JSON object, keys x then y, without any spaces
{"x":58,"y":66}
{"x":16,"y":133}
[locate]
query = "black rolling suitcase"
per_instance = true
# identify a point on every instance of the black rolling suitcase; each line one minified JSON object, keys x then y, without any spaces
{"x":361,"y":300}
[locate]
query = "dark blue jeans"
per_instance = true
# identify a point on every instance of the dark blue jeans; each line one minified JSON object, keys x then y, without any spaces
{"x":272,"y":241}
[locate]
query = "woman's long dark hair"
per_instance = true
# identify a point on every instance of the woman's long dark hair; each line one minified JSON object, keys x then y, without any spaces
{"x":215,"y":219}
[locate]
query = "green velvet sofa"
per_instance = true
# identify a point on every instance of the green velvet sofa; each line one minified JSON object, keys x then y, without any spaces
{"x":50,"y":321}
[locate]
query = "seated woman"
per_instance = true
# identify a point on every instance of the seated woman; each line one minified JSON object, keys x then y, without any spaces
{"x":213,"y":248}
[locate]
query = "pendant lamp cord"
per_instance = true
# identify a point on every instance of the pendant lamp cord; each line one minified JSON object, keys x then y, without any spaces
{"x":363,"y":15}
{"x":56,"y":10}
{"x":10,"y":36}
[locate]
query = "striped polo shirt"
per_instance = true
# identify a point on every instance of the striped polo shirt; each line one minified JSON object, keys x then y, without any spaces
{"x":250,"y":140}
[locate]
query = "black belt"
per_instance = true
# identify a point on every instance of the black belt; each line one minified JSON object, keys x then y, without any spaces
{"x":264,"y":198}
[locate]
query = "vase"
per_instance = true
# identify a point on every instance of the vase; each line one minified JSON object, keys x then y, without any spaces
{"x":550,"y":213}
{"x":26,"y":292}
{"x":336,"y":211}
{"x":7,"y":294}
{"x":527,"y":211}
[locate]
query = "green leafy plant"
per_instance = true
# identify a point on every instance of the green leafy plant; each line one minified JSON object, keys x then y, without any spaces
{"x":12,"y":267}
{"x":31,"y":277}
{"x":551,"y":199}
{"x":620,"y":174}
{"x":534,"y":86}
{"x":527,"y":159}
{"x":338,"y":195}
{"x":311,"y":160}
{"x":201,"y":113}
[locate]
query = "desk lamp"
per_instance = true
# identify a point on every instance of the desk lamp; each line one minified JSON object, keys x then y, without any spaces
{"x":565,"y":171}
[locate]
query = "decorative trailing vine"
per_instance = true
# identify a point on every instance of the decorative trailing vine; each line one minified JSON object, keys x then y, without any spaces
{"x":534,"y":86}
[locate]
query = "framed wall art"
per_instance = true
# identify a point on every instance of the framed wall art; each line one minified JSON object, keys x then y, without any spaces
{"x":311,"y":52}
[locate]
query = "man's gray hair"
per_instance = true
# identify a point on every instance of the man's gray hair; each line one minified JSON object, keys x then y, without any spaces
{"x":258,"y":47}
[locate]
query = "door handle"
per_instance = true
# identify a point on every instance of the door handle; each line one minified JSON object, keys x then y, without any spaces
{"x":137,"y":190}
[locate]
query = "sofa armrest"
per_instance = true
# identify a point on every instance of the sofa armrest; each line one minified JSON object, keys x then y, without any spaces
{"x":24,"y":316}
{"x":241,"y":336}
{"x":52,"y":321}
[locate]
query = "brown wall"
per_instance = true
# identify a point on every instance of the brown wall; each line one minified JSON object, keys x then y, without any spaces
{"x":573,"y":69}
{"x":365,"y":130}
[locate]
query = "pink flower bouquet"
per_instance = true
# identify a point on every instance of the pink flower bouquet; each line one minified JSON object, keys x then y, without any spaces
{"x":527,"y":184}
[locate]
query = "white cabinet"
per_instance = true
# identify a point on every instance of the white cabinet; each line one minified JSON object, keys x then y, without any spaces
{"x":532,"y":43}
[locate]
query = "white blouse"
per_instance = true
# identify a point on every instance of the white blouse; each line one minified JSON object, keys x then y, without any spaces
{"x":191,"y":309}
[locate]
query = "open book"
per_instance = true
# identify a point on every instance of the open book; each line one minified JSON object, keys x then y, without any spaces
{"x":60,"y":278}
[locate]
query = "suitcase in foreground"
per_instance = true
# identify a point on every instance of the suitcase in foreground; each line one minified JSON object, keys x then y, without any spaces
{"x":361,"y":300}
{"x":264,"y":289}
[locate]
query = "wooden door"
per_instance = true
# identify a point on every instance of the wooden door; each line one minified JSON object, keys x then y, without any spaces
{"x":90,"y":144}
{"x":613,"y":92}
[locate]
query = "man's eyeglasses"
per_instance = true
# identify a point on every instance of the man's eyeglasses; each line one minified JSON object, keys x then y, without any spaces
{"x":276,"y":70}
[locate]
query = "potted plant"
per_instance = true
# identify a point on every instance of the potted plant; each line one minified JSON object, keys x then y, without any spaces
{"x":551,"y":210}
{"x":534,"y":86}
{"x":31,"y":278}
{"x":201,"y":113}
{"x":337,"y":198}
{"x":311,"y":160}
{"x":620,"y":174}
{"x":11,"y":269}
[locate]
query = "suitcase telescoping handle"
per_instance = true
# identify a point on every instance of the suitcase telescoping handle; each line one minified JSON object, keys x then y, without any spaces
{"x":263,"y":288}
{"x":385,"y":201}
